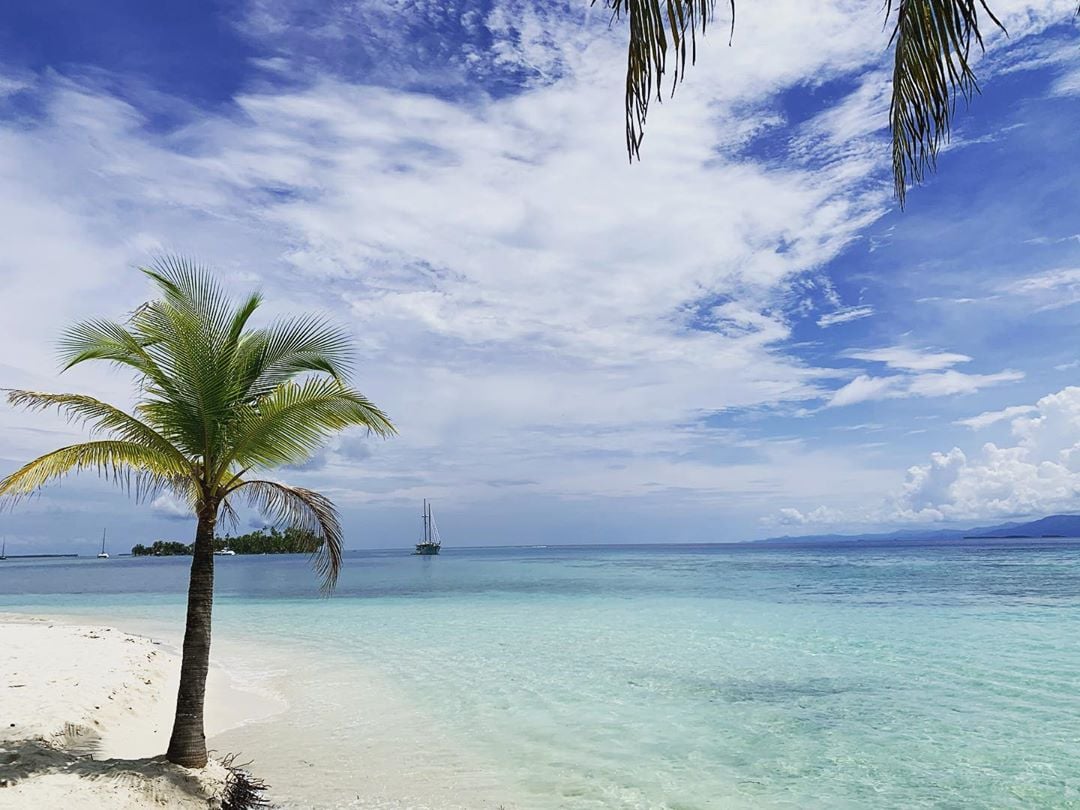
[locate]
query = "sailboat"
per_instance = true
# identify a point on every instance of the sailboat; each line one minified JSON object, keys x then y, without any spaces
{"x":430,"y":542}
{"x":104,"y":555}
{"x":3,"y":549}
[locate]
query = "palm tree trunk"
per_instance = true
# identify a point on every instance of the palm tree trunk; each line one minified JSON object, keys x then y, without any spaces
{"x":187,"y":746}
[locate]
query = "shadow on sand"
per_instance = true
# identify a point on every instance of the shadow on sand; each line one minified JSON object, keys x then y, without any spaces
{"x":31,"y":758}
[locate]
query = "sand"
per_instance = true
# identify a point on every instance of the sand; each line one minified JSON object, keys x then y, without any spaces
{"x":85,"y":715}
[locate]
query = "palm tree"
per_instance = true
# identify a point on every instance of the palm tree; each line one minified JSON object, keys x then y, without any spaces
{"x":931,"y":68}
{"x":218,"y":404}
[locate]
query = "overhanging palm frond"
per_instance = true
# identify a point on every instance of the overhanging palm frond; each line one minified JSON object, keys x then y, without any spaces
{"x":132,"y":466}
{"x":652,"y":24}
{"x":933,"y":40}
{"x":306,"y":511}
{"x":100,"y":417}
{"x":931,"y":69}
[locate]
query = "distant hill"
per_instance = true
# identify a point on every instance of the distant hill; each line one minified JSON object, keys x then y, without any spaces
{"x":1051,"y":526}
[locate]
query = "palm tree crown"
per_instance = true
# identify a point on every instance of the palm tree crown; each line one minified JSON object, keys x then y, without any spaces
{"x":218,"y":403}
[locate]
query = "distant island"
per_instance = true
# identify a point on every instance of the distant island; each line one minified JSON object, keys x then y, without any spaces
{"x":290,"y":541}
{"x":1050,"y":527}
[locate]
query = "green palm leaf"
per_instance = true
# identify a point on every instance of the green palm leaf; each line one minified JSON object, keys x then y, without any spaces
{"x":269,"y":357}
{"x":137,"y":468}
{"x":294,"y":420}
{"x":307,"y":511}
{"x":101,"y":417}
{"x":931,"y":69}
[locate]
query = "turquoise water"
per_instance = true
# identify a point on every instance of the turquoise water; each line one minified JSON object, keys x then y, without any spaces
{"x":690,"y":677}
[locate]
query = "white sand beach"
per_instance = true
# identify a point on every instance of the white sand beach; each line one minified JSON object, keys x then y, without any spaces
{"x":86,"y":711}
{"x":85,"y":715}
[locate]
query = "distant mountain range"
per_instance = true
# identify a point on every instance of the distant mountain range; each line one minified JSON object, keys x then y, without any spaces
{"x":1051,"y":526}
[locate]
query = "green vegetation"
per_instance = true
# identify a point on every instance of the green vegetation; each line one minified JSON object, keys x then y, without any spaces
{"x":162,"y":548}
{"x":217,"y":403}
{"x":290,"y":541}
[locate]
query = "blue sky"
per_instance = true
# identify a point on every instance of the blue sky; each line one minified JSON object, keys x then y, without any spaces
{"x":740,"y":336}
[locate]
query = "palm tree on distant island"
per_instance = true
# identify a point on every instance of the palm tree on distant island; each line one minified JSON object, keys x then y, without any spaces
{"x":218,"y":402}
{"x":932,"y":42}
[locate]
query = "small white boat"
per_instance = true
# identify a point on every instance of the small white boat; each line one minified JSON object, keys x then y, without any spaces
{"x":225,"y":552}
{"x":103,"y":555}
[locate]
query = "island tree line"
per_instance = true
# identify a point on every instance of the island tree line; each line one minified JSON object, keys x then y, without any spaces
{"x":261,"y":541}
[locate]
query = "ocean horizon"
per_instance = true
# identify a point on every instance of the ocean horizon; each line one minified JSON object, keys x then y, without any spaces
{"x":681,"y":677}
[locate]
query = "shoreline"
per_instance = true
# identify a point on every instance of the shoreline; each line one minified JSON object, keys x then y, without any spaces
{"x":97,"y":742}
{"x":86,"y":711}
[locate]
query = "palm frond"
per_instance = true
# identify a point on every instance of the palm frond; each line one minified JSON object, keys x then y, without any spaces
{"x":242,"y":316}
{"x":933,"y":41}
{"x":652,"y":24}
{"x":229,"y":518}
{"x":190,"y":288}
{"x":268,"y":357}
{"x":931,"y":69}
{"x":292,"y":422}
{"x":107,"y":340}
{"x":306,"y":511}
{"x":132,"y":466}
{"x":100,"y":417}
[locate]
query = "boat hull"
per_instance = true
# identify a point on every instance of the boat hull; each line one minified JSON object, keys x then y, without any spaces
{"x":426,"y":550}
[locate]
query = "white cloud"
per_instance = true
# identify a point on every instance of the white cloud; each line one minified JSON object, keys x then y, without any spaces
{"x":930,"y":484}
{"x":863,"y":388}
{"x":908,"y":359}
{"x":10,"y":85}
{"x":1052,"y":289}
{"x":169,"y":506}
{"x":949,"y":383}
{"x":845,"y":315}
{"x":988,"y":418}
{"x":789,"y":516}
{"x":1038,"y":474}
{"x":931,"y":384}
{"x":1068,"y":84}
{"x":1047,"y":240}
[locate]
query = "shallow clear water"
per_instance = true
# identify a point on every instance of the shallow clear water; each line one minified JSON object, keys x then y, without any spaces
{"x":688,"y":677}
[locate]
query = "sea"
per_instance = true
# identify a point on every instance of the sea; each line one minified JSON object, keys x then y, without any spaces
{"x":676,"y":677}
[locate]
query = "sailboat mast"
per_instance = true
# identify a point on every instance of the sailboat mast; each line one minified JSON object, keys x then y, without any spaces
{"x":103,"y":541}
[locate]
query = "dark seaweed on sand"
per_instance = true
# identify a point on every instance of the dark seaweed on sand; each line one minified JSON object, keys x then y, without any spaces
{"x":242,"y":790}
